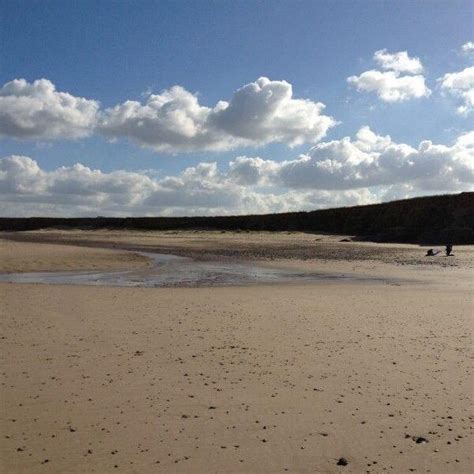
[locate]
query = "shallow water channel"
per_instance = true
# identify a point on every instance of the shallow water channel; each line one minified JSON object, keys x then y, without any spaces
{"x":174,"y":271}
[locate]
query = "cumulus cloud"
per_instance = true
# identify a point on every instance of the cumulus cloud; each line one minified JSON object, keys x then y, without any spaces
{"x":259,"y":113}
{"x":400,"y":62}
{"x":249,"y":171}
{"x":173,"y":121}
{"x":372,"y":161}
{"x":265,"y":111}
{"x":26,"y":189}
{"x":38,"y":111}
{"x":368,"y":161}
{"x":363,"y":169}
{"x":460,"y":85}
{"x":390,"y":85}
{"x":199,"y":189}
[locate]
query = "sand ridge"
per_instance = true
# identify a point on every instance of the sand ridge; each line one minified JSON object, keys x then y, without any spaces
{"x":30,"y":257}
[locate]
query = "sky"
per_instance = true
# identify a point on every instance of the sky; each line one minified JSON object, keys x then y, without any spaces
{"x":231,"y":107}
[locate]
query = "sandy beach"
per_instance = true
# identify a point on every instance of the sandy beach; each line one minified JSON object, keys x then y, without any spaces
{"x":262,"y":378}
{"x":18,"y":257}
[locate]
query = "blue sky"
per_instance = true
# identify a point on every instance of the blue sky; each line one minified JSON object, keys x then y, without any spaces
{"x":111,"y":52}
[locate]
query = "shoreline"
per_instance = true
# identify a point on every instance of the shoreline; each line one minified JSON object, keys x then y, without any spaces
{"x":171,"y":271}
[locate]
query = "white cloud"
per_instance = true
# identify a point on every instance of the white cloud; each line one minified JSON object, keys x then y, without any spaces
{"x":265,"y":111}
{"x":365,"y":169}
{"x":26,"y":189}
{"x":173,"y":121}
{"x":252,"y":170}
{"x":400,"y":62}
{"x":389,"y":84}
{"x":81,"y":190}
{"x":466,"y":139}
{"x":38,"y":111}
{"x":353,"y":164}
{"x":461,"y":85}
{"x":259,"y":113}
{"x":468,"y":47}
{"x":367,"y":162}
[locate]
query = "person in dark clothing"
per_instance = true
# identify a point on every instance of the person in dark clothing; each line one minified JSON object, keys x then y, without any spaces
{"x":449,"y":249}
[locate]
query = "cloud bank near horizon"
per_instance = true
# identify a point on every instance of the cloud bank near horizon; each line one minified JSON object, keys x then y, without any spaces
{"x":364,"y":169}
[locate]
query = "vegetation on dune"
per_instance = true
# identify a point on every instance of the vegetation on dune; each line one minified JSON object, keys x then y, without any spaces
{"x":431,"y":220}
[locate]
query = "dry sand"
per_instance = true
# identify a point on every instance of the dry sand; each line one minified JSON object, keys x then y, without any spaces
{"x":21,"y":257}
{"x":281,"y":378}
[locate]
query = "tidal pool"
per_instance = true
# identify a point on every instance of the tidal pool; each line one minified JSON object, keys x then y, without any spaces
{"x":174,"y":271}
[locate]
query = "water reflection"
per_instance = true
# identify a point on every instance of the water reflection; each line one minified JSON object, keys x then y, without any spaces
{"x":173,"y":271}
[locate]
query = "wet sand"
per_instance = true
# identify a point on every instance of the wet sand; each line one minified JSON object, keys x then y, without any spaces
{"x":281,"y":378}
{"x":263,"y":246}
{"x":166,"y":270}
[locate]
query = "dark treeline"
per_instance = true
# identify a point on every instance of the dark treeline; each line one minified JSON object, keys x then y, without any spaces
{"x":430,"y":220}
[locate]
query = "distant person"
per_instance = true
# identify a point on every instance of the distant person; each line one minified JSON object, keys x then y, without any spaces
{"x":432,"y":253}
{"x":449,"y":249}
